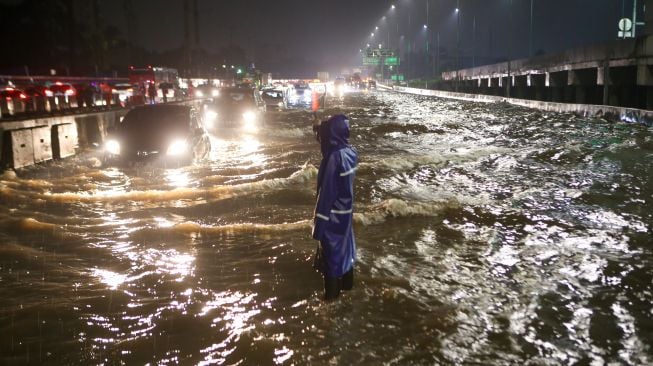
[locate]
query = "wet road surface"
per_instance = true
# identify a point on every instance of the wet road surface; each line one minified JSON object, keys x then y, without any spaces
{"x":486,"y":233}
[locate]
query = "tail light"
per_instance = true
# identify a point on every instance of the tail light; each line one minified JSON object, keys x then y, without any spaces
{"x":23,"y":96}
{"x":70,"y":92}
{"x":49,"y":93}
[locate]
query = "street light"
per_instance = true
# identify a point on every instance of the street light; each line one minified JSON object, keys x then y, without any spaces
{"x":392,"y":6}
{"x":372,"y":34}
{"x":425,"y":26}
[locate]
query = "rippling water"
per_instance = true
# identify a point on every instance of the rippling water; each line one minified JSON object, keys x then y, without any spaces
{"x":487,"y":234}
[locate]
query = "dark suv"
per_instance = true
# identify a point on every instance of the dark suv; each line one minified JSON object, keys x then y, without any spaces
{"x":162,"y":133}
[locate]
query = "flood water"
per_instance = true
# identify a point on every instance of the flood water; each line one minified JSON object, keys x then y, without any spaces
{"x":486,"y":233}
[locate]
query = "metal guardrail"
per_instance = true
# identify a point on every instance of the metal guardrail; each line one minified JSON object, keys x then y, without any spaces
{"x":12,"y":109}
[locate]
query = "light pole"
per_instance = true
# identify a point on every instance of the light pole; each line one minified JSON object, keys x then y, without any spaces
{"x":457,"y":43}
{"x":530,"y":40}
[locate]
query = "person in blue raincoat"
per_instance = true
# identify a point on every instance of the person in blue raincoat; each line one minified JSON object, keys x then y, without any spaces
{"x":334,"y":208}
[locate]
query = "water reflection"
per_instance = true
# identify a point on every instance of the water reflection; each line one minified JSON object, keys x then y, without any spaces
{"x":111,"y":279}
{"x":487,"y":235}
{"x":177,"y":177}
{"x":231,"y":312}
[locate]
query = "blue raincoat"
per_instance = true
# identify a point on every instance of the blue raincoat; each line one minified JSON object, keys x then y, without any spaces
{"x":335,"y":198}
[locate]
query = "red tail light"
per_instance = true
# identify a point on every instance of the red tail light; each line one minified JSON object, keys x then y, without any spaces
{"x":23,"y":96}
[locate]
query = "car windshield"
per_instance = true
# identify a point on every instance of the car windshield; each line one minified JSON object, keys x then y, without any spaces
{"x":153,"y":120}
{"x":236,"y":96}
{"x":273,"y":93}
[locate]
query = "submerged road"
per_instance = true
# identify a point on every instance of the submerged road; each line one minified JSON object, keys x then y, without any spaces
{"x":486,"y":233}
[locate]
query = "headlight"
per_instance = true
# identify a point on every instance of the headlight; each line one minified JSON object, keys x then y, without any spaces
{"x":250,"y":122}
{"x":112,"y":147}
{"x":199,"y":94}
{"x":215,"y":93}
{"x":280,"y":104}
{"x":249,"y":116}
{"x":177,"y":147}
{"x":209,"y":118}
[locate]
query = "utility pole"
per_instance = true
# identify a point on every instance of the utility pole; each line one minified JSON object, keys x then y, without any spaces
{"x":191,"y":32}
{"x":129,"y":20}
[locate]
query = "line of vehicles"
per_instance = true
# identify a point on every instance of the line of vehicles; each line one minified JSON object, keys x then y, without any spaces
{"x":173,"y":134}
{"x":37,"y":95}
{"x":154,"y":131}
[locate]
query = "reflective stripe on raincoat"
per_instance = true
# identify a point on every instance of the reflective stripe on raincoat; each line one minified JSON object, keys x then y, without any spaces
{"x":334,"y":207}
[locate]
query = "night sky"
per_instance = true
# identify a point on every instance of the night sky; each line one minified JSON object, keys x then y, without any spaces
{"x":330,"y":32}
{"x":327,"y":34}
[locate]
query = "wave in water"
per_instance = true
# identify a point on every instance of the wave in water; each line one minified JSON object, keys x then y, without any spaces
{"x":306,"y":174}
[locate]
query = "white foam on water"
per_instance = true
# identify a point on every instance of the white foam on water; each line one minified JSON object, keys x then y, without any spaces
{"x":395,"y":208}
{"x":247,"y":227}
{"x":305,"y":174}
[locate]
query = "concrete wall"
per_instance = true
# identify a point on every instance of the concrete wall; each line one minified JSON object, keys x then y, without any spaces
{"x":28,"y":142}
{"x":589,"y":110}
{"x":618,"y":73}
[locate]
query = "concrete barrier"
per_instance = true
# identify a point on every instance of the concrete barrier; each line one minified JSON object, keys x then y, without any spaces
{"x":64,"y":140}
{"x":42,"y":143}
{"x":27,"y":142}
{"x":18,"y":148}
{"x":587,"y":110}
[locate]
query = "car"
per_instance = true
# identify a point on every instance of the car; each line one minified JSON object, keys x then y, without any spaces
{"x":13,"y":100}
{"x":164,"y":134}
{"x":63,"y":93}
{"x":371,"y":84}
{"x":206,"y":91}
{"x":124,"y":91}
{"x":274,"y":98}
{"x":235,"y":107}
{"x":88,"y":94}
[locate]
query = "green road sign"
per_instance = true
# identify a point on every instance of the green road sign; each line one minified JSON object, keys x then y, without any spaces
{"x":371,"y":61}
{"x":397,"y":77}
{"x":392,"y":61}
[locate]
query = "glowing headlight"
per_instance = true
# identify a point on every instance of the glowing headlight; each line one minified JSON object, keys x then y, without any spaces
{"x":177,"y":147}
{"x":249,"y":116}
{"x":199,"y":94}
{"x":215,"y":93}
{"x":209,"y":118}
{"x":112,"y":147}
{"x":280,"y":104}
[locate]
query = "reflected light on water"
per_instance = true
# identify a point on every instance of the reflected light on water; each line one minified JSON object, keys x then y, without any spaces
{"x":163,"y":222}
{"x":176,"y":263}
{"x":234,"y":316}
{"x":248,"y":146}
{"x":112,"y":279}
{"x":177,"y":178}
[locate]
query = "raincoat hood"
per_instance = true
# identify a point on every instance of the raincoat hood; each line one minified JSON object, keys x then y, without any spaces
{"x":333,"y":134}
